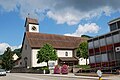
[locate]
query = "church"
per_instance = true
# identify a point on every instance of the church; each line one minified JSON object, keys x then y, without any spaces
{"x":33,"y":40}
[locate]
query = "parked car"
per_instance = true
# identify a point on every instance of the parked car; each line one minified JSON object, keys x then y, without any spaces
{"x":8,"y":71}
{"x":2,"y":72}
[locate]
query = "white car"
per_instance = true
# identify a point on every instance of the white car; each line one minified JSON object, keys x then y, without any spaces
{"x":2,"y":72}
{"x":8,"y":71}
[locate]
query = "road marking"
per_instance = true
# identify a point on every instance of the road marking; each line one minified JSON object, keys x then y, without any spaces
{"x":33,"y":78}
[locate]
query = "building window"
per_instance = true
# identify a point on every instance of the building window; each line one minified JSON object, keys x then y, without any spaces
{"x":104,"y":58}
{"x":118,"y":23}
{"x":25,"y":47}
{"x":81,"y":59}
{"x":92,"y":59}
{"x":66,"y":53}
{"x":116,"y":38}
{"x":109,"y":40}
{"x":118,"y":56}
{"x":98,"y":58}
{"x":111,"y":56}
{"x":90,"y":45}
{"x":113,"y":27}
{"x":102,"y":42}
{"x":96,"y":43}
{"x":20,"y":63}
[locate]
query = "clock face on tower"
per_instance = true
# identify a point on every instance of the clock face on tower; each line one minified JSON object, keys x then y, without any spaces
{"x":34,"y":28}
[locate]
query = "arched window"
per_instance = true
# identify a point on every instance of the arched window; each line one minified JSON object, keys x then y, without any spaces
{"x":66,"y":53}
{"x":25,"y":60}
{"x":25,"y":47}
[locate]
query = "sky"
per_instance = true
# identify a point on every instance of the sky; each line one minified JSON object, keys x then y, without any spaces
{"x":62,"y":17}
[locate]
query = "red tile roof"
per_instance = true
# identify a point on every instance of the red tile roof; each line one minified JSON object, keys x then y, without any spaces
{"x":31,"y":20}
{"x":37,"y":40}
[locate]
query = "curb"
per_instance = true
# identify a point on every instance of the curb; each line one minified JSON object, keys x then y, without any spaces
{"x":72,"y":76}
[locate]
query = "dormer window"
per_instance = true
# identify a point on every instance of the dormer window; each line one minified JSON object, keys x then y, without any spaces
{"x":66,"y":53}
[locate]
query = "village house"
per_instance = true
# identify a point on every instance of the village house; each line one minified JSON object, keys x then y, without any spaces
{"x":33,"y":41}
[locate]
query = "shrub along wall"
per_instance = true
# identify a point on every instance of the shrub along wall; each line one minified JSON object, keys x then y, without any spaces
{"x":31,"y":70}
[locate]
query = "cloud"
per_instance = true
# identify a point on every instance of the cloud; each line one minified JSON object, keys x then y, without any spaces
{"x":62,"y":11}
{"x":3,"y":47}
{"x":71,"y":16}
{"x":86,"y":28}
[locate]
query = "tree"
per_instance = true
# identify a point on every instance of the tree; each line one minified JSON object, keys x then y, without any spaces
{"x":46,"y":53}
{"x":82,"y":51}
{"x":7,"y":59}
{"x":17,"y":52}
{"x":86,"y":36}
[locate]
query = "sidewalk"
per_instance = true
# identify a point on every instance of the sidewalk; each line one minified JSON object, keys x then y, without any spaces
{"x":71,"y":75}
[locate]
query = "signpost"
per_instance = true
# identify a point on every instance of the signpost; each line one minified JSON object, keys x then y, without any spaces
{"x":51,"y":66}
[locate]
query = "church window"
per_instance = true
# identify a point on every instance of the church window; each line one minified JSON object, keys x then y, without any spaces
{"x":66,"y":53}
{"x":25,"y":47}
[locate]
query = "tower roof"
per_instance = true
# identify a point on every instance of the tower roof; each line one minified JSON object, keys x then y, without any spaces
{"x":31,"y":21}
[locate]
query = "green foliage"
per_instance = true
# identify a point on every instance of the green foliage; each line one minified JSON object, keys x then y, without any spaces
{"x":17,"y":52}
{"x":83,"y":66}
{"x":46,"y":53}
{"x":78,"y":53}
{"x":86,"y":36}
{"x":1,"y":57}
{"x":44,"y":68}
{"x":82,"y":50}
{"x":7,"y":59}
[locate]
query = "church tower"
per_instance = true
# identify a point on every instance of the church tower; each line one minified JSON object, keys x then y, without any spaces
{"x":31,"y":25}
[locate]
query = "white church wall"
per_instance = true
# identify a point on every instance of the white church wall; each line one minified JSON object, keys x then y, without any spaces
{"x":34,"y":59}
{"x":62,"y":53}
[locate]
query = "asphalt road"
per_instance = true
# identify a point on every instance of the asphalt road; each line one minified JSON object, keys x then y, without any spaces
{"x":25,"y":76}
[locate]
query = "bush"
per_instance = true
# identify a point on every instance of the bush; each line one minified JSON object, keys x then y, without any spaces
{"x":64,"y":69}
{"x":82,"y":66}
{"x":40,"y":70}
{"x":56,"y":70}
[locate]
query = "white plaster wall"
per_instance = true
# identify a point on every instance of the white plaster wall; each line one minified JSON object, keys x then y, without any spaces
{"x":26,"y":53}
{"x":30,"y":28}
{"x":61,"y":53}
{"x":34,"y":59}
{"x":82,"y":61}
{"x":15,"y":57}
